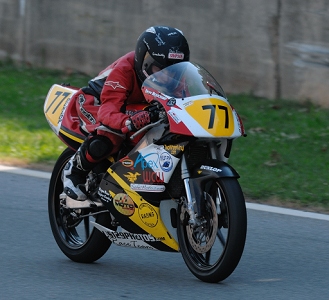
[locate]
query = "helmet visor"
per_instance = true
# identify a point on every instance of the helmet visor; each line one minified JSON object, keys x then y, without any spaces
{"x":150,"y":65}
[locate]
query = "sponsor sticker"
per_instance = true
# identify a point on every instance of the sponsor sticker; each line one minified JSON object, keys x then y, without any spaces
{"x":173,"y":55}
{"x":147,"y":188}
{"x":150,"y":160}
{"x":128,"y":239}
{"x":203,"y":167}
{"x":153,"y":177}
{"x":171,"y":102}
{"x":104,"y":195}
{"x":174,"y":149}
{"x":173,"y":115}
{"x":166,"y":162}
{"x":156,"y":95}
{"x":124,"y":204}
{"x":148,"y":215}
{"x":154,"y":158}
{"x":127,"y":163}
{"x":132,"y":177}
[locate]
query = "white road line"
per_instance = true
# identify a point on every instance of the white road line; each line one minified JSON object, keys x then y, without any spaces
{"x":253,"y":206}
{"x":287,"y":211}
{"x":27,"y":172}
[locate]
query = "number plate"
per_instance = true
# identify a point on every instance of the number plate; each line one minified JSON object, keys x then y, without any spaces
{"x":214,"y":115}
{"x":55,"y":104}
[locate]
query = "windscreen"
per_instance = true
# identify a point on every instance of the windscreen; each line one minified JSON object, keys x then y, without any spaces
{"x":183,"y":80}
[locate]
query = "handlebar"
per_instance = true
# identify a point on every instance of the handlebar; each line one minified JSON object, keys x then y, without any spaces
{"x":157,"y":113}
{"x":126,"y":129}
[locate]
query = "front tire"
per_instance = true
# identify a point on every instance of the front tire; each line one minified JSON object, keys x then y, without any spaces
{"x":213,"y":251}
{"x":76,"y":237}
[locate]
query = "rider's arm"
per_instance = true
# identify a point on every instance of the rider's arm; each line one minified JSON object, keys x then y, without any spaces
{"x":113,"y":98}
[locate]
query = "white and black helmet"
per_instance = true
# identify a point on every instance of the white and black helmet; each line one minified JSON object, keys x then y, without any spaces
{"x":159,"y":46}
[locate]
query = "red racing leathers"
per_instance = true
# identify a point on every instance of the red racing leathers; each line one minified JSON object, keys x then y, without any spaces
{"x":104,"y":101}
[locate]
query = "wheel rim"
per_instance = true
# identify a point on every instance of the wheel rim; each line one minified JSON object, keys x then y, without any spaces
{"x":73,"y":229}
{"x":73,"y":236}
{"x":207,"y":252}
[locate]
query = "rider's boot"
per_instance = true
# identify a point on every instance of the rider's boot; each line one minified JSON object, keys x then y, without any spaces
{"x":94,"y":149}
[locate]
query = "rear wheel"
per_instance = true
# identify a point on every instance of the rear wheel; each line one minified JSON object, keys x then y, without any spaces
{"x":72,"y":230}
{"x":213,"y":249}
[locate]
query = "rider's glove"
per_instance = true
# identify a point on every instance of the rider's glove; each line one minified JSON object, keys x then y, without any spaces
{"x":138,"y":120}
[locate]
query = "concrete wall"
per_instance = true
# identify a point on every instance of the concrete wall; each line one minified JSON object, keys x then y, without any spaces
{"x":272,"y":49}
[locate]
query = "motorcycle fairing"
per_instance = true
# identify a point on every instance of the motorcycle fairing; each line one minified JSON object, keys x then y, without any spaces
{"x":55,"y":104}
{"x":202,"y":116}
{"x":130,"y":187}
{"x":143,"y":240}
{"x":134,"y":213}
{"x":213,"y":115}
{"x":63,"y":118}
{"x":126,"y":238}
{"x":66,"y":126}
{"x":195,"y":103}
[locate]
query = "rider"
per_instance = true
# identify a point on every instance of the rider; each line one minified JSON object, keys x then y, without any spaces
{"x":101,"y":105}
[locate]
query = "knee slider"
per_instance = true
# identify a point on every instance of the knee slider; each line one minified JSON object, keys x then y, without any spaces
{"x":99,"y":147}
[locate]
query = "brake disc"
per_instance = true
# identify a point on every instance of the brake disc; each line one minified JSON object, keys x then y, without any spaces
{"x":202,"y":237}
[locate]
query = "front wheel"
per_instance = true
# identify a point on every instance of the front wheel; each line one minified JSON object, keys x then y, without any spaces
{"x":213,"y":249}
{"x":74,"y":234}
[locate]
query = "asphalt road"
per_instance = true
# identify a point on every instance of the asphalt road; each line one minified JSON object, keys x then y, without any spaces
{"x":286,"y":257}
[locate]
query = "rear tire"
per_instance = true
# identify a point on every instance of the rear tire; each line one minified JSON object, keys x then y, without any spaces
{"x":77,"y":238}
{"x":213,"y":251}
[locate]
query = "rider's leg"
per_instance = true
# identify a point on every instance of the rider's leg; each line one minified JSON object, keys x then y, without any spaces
{"x":94,"y":149}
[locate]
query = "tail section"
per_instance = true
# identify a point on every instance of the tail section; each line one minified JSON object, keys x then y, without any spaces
{"x":65,"y":125}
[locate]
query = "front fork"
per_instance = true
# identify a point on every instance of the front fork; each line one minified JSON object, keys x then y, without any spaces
{"x":193,"y":186}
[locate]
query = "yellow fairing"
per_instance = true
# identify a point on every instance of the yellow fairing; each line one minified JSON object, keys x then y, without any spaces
{"x":55,"y":102}
{"x":214,"y":115}
{"x":157,"y":229}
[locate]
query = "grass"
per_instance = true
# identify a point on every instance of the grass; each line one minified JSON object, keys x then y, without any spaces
{"x":285,"y":156}
{"x":26,"y":135}
{"x":284,"y":159}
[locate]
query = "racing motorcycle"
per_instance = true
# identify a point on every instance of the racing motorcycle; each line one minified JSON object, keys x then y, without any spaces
{"x":169,"y":188}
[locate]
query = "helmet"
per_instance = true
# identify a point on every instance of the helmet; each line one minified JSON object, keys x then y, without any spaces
{"x":160,"y":47}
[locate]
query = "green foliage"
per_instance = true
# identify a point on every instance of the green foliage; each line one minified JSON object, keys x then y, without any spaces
{"x":284,"y":157}
{"x":25,"y":132}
